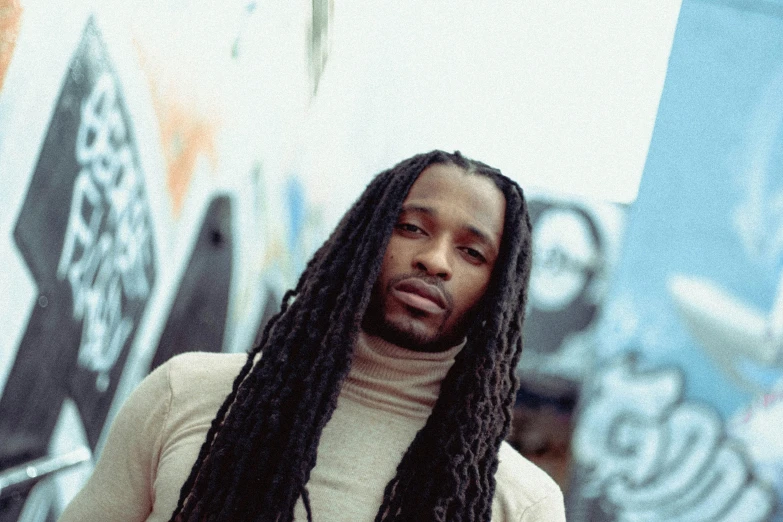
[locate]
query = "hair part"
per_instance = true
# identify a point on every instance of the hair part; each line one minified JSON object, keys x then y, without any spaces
{"x":280,"y":403}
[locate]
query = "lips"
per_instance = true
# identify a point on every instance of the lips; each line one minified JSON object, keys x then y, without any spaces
{"x":420,"y":295}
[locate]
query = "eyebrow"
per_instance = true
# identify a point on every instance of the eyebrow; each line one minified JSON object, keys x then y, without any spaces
{"x":482,"y":236}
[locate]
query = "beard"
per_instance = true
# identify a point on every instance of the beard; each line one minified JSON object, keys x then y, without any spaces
{"x":410,"y":330}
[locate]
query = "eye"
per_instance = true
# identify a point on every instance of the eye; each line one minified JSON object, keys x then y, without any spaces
{"x":408,"y":227}
{"x":474,"y":255}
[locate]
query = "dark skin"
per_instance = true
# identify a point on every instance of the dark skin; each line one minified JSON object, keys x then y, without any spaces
{"x":439,"y":260}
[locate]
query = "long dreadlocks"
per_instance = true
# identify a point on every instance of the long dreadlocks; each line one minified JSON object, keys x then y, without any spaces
{"x":262,"y":444}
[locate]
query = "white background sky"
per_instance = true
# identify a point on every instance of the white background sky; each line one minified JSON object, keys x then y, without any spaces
{"x":560,"y":95}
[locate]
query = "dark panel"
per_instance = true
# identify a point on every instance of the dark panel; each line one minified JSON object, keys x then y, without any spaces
{"x":197,"y":321}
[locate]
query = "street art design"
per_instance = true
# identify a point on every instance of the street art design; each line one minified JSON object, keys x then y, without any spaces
{"x":85,"y":233}
{"x":102,"y":306}
{"x":646,"y":454}
{"x":572,"y":261}
{"x":107,"y":251}
{"x":731,"y":331}
{"x":681,"y":418}
{"x":567,"y":258}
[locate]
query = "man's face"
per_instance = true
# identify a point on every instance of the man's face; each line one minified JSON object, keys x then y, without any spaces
{"x":439,"y":260}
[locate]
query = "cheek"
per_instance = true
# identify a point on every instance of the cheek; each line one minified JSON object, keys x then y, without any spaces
{"x":387,"y":269}
{"x":470,"y":294}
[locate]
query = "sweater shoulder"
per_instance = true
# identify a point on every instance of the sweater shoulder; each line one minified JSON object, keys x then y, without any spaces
{"x":201,"y":381}
{"x":212,"y":367}
{"x":522,"y":488}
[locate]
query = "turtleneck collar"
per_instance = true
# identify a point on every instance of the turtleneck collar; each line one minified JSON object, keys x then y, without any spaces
{"x":389,"y":377}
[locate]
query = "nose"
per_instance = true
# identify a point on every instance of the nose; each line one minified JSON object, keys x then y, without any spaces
{"x":434,"y":259}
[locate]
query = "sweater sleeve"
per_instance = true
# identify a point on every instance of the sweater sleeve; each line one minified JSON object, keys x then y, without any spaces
{"x":548,"y":509}
{"x":120,"y":487}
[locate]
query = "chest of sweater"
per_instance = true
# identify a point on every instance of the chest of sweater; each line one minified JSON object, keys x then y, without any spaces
{"x":358,"y":455}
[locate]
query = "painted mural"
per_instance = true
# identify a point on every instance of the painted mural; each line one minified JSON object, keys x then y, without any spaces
{"x":575,"y":246}
{"x":145,"y":212}
{"x":145,"y":215}
{"x":681,"y":414}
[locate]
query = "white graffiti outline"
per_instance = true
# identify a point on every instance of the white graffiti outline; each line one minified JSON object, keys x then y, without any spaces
{"x":648,"y":456}
{"x":107,"y":249}
{"x":758,"y":216}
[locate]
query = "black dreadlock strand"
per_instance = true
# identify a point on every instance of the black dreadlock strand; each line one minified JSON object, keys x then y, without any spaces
{"x":262,"y":445}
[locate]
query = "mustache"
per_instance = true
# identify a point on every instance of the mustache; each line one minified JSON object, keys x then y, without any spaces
{"x":430,"y":280}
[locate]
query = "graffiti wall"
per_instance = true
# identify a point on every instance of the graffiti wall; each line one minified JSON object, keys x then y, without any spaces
{"x":575,"y":248}
{"x":681,"y":412}
{"x":151,"y":205}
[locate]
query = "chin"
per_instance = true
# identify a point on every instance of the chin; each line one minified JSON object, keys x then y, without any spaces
{"x":407,"y":333}
{"x":414,"y":335}
{"x":408,"y":328}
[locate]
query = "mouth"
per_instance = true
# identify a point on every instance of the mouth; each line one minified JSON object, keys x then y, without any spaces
{"x":420,"y":295}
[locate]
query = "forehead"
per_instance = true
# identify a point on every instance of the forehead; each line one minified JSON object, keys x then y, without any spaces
{"x":474,"y":198}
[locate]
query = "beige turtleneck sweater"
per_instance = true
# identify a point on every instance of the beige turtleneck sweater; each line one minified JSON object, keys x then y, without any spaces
{"x":384,"y":401}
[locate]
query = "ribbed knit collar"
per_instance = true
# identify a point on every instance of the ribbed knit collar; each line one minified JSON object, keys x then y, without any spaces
{"x":389,"y":377}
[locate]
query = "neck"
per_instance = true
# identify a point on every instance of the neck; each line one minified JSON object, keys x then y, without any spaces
{"x":393,"y":378}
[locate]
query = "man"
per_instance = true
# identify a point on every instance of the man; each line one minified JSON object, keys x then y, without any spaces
{"x":392,"y":362}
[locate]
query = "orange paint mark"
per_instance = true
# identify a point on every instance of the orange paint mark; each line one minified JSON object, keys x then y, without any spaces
{"x":185,"y":136}
{"x":10,"y":20}
{"x":186,"y":132}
